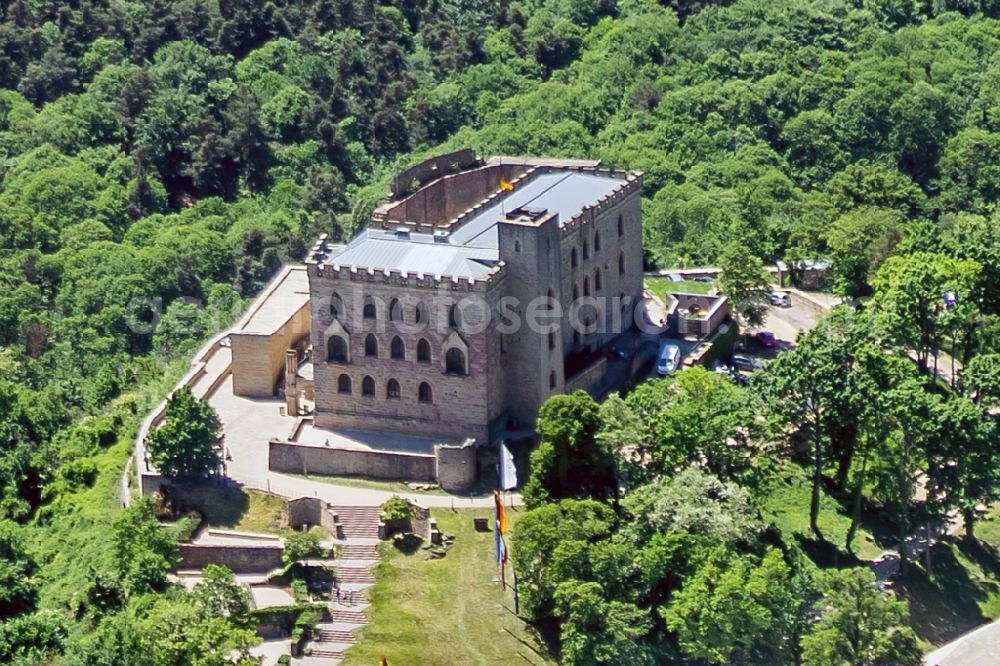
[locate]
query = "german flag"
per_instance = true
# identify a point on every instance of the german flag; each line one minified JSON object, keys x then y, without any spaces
{"x":501,"y":513}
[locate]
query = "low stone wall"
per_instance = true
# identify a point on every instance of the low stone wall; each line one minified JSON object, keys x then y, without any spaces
{"x":310,"y":459}
{"x":588,"y":377}
{"x":312,"y":511}
{"x":241,"y":558}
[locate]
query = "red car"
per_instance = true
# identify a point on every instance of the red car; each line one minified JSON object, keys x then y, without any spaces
{"x":766,"y":339}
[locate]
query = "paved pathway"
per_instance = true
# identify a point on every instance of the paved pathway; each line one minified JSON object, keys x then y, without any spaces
{"x":978,"y":648}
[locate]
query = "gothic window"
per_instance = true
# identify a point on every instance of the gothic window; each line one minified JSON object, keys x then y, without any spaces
{"x":336,"y":350}
{"x":586,"y":251}
{"x":621,"y":226}
{"x":420,"y":315}
{"x":368,"y":387}
{"x":423,"y":351}
{"x":576,"y":293}
{"x":572,"y":258}
{"x":336,"y":305}
{"x":597,"y":280}
{"x":552,"y":339}
{"x":597,"y":241}
{"x":454,"y":361}
{"x":369,"y":309}
{"x":517,"y":246}
{"x":344,"y":384}
{"x":586,"y":286}
{"x":392,"y":390}
{"x":395,"y":310}
{"x":397,"y":348}
{"x":621,"y":263}
{"x":371,"y":345}
{"x":454,"y":317}
{"x":424,"y":393}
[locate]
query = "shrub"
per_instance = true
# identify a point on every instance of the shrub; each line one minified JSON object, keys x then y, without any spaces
{"x":302,"y":545}
{"x":397,"y":508}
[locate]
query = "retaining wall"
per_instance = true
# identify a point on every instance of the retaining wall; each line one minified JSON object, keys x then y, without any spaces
{"x":242,"y":558}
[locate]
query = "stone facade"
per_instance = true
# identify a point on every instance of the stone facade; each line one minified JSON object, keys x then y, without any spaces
{"x":391,"y":354}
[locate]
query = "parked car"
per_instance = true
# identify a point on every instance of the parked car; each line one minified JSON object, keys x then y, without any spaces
{"x":780,"y":298}
{"x":748,"y":363}
{"x":668,"y":360}
{"x":766,"y":339}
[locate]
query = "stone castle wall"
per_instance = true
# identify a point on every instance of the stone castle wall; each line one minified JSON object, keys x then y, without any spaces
{"x":239,"y":558}
{"x":306,"y":459}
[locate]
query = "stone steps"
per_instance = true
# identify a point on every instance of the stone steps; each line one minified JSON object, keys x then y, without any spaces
{"x":322,"y":650}
{"x":359,"y":521}
{"x":356,"y":551}
{"x":348,"y":616}
{"x":335,"y":636}
{"x":354,"y":575}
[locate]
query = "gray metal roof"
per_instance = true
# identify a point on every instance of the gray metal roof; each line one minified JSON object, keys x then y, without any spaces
{"x":419,"y":254}
{"x":471,"y":249}
{"x":562,"y":192}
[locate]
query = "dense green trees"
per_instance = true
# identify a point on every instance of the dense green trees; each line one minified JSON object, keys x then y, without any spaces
{"x":189,"y":443}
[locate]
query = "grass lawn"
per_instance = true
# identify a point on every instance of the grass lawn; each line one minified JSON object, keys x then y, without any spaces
{"x":788,"y":505}
{"x":660,"y":286}
{"x":444,"y":612}
{"x":987,"y":528}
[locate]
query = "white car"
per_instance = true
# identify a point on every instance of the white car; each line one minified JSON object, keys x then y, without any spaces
{"x":669,"y":359}
{"x":780,"y":298}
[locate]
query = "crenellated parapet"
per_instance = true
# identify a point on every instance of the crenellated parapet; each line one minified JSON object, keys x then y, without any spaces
{"x":320,"y":267}
{"x":632,"y":181}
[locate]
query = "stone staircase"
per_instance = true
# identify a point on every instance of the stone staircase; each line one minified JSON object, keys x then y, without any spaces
{"x":359,"y":522}
{"x":356,"y":558}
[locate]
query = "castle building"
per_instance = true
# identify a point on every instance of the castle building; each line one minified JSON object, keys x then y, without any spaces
{"x":479,"y":289}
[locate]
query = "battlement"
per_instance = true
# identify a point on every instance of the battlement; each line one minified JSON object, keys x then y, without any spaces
{"x":318,"y":267}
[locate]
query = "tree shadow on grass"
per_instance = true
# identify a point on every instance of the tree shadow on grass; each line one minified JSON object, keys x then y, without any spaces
{"x":946,"y":604}
{"x":826,"y":554}
{"x":220,"y":506}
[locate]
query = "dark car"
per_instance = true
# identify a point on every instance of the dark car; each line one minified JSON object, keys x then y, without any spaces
{"x":748,"y":363}
{"x":766,"y":339}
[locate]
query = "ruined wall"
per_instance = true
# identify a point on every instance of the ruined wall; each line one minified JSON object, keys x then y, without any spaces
{"x":239,"y":558}
{"x":311,"y":511}
{"x":456,"y":466}
{"x":307,"y":459}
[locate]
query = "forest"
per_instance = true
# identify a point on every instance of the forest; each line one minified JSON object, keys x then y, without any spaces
{"x":160,"y":160}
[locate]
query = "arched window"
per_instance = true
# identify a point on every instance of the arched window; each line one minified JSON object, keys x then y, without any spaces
{"x":423,"y":351}
{"x":392,"y":390}
{"x":397,"y":349}
{"x":336,"y":305}
{"x":586,"y":250}
{"x":454,"y":317}
{"x":597,"y":280}
{"x":424,"y":393}
{"x":597,"y":241}
{"x":552,"y":339}
{"x":621,"y":263}
{"x":586,"y":286}
{"x":371,"y":345}
{"x":344,"y":384}
{"x":420,"y":315}
{"x":517,"y":246}
{"x":552,"y":379}
{"x":368,"y":312}
{"x":576,"y":293}
{"x":550,"y":300}
{"x":621,"y":226}
{"x":368,"y":387}
{"x":572,"y":258}
{"x":336,"y":350}
{"x":454,"y":361}
{"x":395,"y":310}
